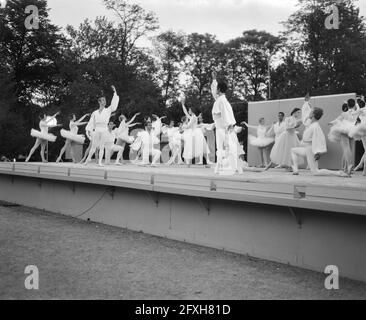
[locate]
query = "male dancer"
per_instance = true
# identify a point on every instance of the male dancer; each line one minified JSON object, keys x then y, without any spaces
{"x":313,"y":147}
{"x":223,"y":116}
{"x":99,"y":122}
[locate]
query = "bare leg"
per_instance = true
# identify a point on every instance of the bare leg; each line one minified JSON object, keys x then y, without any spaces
{"x":34,"y":149}
{"x":43,"y":148}
{"x":261,"y":156}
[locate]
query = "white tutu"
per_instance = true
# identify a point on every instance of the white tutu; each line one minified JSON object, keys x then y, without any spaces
{"x":78,"y":138}
{"x":358,"y":132}
{"x":340,"y":127}
{"x":260,"y":142}
{"x":44,"y":136}
{"x":126,"y":138}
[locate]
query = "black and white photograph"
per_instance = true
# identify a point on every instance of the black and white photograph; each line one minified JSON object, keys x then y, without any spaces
{"x":182,"y":156}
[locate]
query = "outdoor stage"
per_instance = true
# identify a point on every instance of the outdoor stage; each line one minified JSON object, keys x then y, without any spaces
{"x":305,"y":221}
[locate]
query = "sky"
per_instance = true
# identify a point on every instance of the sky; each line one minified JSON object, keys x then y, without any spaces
{"x":226,"y":19}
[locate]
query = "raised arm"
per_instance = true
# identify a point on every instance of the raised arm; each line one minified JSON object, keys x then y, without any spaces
{"x":80,"y":121}
{"x":134,"y":124}
{"x":214,"y":85}
{"x":53,"y":117}
{"x":133,"y":118}
{"x":185,"y":109}
{"x":115,"y":100}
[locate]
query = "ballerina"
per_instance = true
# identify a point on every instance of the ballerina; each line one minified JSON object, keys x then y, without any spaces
{"x":341,"y":129}
{"x":123,"y":130}
{"x":262,"y":141}
{"x":201,"y":143}
{"x":43,"y":137}
{"x":99,"y":122}
{"x":281,"y":152}
{"x":175,"y":137}
{"x":359,"y":133}
{"x":190,"y":147}
{"x":306,"y":111}
{"x":72,"y":137}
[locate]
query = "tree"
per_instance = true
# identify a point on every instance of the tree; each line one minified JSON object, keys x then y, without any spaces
{"x":169,"y":49}
{"x":134,"y":24}
{"x":335,"y":59}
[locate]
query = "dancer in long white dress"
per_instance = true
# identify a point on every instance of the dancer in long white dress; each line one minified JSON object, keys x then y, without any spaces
{"x":175,"y":138}
{"x":223,"y":116}
{"x":278,"y":128}
{"x":312,"y":147}
{"x":262,"y":141}
{"x":358,"y":133}
{"x":99,"y":122}
{"x":191,"y":149}
{"x":111,"y":147}
{"x":42,"y":136}
{"x":341,"y":129}
{"x":72,"y":137}
{"x":281,"y":152}
{"x":201,"y":142}
{"x":148,"y":142}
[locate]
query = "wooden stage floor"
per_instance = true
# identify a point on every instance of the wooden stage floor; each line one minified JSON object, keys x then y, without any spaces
{"x":276,"y":187}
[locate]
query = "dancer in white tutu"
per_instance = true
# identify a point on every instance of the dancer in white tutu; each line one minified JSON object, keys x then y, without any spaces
{"x":341,"y":129}
{"x":312,"y":147}
{"x":99,"y":122}
{"x":175,"y":138}
{"x":124,"y":130}
{"x":262,"y":141}
{"x":191,"y":148}
{"x":281,"y":152}
{"x":358,"y":133}
{"x":110,"y":146}
{"x":42,"y":136}
{"x":72,"y":137}
{"x":123,"y":133}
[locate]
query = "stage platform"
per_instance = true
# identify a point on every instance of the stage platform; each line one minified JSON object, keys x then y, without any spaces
{"x":275,"y":187}
{"x":305,"y":221}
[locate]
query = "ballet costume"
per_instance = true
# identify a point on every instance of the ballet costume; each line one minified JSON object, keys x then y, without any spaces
{"x":261,"y":140}
{"x":99,"y":124}
{"x":343,"y":125}
{"x":358,"y":132}
{"x":190,"y":148}
{"x":147,"y":141}
{"x":202,"y":148}
{"x":123,"y":134}
{"x":111,"y":147}
{"x":175,"y":144}
{"x":73,"y":135}
{"x":281,"y":152}
{"x":43,"y":133}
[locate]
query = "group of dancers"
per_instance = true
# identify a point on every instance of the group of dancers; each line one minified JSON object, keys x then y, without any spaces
{"x":289,"y":152}
{"x":187,"y":140}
